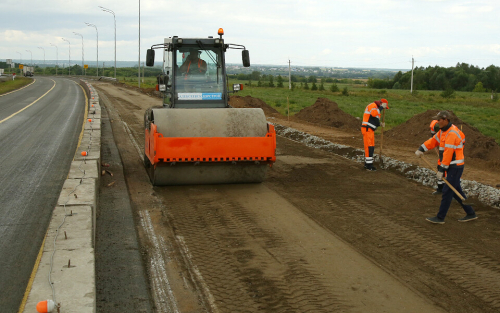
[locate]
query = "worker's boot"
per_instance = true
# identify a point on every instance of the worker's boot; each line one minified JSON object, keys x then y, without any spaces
{"x":370,"y":167}
{"x":439,"y":190}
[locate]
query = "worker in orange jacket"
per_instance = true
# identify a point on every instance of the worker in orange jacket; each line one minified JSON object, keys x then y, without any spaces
{"x":193,"y":65}
{"x":371,"y":120}
{"x":451,"y":151}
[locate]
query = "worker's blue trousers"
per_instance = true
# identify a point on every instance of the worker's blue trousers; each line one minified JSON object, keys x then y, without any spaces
{"x":453,"y":177}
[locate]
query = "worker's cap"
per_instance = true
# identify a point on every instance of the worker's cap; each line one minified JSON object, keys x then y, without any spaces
{"x":443,"y":115}
{"x":193,"y":51}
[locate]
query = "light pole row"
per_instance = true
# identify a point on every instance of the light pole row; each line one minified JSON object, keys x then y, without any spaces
{"x":97,"y":36}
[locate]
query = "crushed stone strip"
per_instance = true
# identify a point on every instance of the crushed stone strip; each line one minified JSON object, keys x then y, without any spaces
{"x":484,"y":193}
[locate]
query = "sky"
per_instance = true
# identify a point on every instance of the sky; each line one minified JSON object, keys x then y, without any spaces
{"x":324,"y":33}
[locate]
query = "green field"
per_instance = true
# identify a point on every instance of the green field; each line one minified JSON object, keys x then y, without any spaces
{"x":477,"y":109}
{"x":11,"y":85}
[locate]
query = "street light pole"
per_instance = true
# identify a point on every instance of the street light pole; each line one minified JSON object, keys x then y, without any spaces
{"x":92,"y":25}
{"x":139,"y":62}
{"x":82,"y":48}
{"x":43,"y":59}
{"x":31,"y":56}
{"x":69,"y":59}
{"x":114,"y":17}
{"x":57,"y":56}
{"x":20,"y":62}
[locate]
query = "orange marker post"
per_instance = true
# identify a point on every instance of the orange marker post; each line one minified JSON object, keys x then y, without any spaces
{"x":45,"y":306}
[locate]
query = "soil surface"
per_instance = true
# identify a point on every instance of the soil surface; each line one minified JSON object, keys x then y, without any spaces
{"x":325,"y":112}
{"x":319,"y":235}
{"x":417,"y":129}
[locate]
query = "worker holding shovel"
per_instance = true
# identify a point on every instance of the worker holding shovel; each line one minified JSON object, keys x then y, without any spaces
{"x":371,"y":120}
{"x":451,"y":142}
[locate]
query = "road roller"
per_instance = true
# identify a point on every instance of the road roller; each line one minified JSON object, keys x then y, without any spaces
{"x":196,"y":137}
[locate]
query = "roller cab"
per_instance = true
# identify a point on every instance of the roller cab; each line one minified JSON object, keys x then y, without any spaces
{"x":197,"y":138}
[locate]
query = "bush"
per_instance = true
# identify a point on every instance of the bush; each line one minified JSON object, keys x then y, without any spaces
{"x":479,"y":87}
{"x":306,"y":86}
{"x":345,"y":92}
{"x":314,"y":87}
{"x":449,"y":93}
{"x":334,"y":88}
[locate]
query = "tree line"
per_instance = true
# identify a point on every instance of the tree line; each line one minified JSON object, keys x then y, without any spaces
{"x":462,"y":77}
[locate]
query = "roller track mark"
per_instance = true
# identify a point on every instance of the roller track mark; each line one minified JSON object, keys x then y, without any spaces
{"x":260,"y":272}
{"x":478,"y":274}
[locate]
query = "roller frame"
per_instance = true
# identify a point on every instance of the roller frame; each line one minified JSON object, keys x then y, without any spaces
{"x":236,"y":154}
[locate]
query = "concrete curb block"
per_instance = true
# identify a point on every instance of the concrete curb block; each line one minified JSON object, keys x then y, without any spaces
{"x":70,"y":238}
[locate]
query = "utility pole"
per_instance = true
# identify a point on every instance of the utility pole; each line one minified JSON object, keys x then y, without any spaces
{"x":139,"y":62}
{"x":412,"y":62}
{"x":289,"y":76}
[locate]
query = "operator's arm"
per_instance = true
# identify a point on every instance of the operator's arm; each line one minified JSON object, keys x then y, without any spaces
{"x":430,"y":143}
{"x":184,"y":67}
{"x":203,"y":66}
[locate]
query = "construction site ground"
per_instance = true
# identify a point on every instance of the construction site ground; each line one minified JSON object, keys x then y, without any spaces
{"x":319,"y":235}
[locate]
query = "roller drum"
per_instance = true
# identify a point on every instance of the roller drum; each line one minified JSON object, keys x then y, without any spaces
{"x":227,"y":122}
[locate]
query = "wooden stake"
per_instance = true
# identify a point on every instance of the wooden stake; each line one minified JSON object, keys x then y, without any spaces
{"x":288,"y":108}
{"x":382,"y":137}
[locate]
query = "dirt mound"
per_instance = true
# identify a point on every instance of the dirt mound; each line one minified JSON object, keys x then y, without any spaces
{"x":416,"y":130}
{"x":326,"y":112}
{"x":251,"y":102}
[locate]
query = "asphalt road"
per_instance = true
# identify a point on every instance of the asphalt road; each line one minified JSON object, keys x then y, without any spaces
{"x":39,"y":130}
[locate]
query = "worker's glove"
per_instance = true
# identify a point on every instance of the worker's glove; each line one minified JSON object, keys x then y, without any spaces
{"x":439,"y":175}
{"x":384,"y":105}
{"x":382,"y":124}
{"x":419,"y":153}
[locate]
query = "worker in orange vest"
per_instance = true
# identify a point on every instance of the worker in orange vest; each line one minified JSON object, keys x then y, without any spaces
{"x":193,"y":65}
{"x":371,"y":120}
{"x":451,"y":154}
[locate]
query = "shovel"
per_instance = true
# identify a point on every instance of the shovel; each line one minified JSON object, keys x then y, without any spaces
{"x":382,"y":140}
{"x":464,"y":201}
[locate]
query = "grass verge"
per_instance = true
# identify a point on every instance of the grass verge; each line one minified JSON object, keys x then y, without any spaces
{"x":11,"y":85}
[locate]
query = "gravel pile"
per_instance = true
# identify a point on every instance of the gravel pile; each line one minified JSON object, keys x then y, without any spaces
{"x":484,"y":193}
